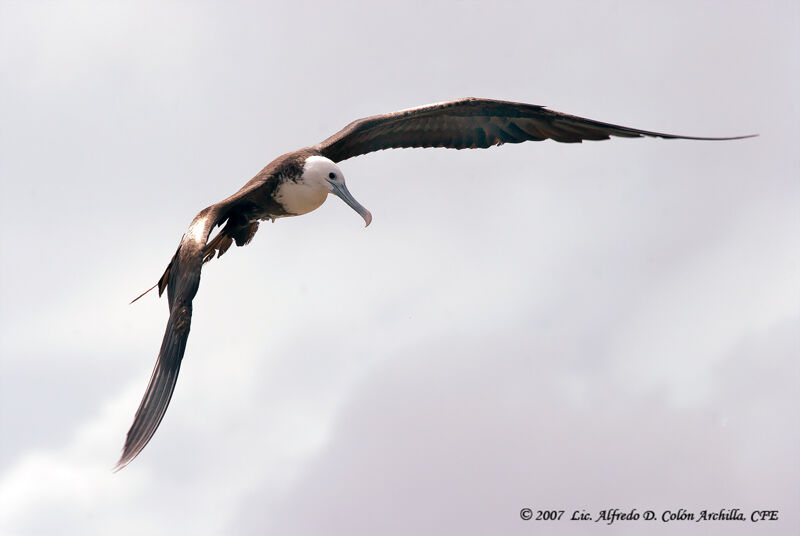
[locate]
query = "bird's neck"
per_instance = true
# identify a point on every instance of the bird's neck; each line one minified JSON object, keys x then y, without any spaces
{"x":299,"y":197}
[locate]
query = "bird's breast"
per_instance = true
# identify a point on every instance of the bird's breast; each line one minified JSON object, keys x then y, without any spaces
{"x":298,"y":198}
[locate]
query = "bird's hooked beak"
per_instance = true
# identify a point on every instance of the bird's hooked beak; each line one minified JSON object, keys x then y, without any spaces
{"x":340,"y":190}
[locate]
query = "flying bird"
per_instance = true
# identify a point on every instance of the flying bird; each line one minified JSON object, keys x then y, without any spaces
{"x":299,"y":182}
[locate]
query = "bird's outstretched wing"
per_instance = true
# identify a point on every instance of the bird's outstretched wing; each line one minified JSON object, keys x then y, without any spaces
{"x":472,"y":123}
{"x":181,"y":280}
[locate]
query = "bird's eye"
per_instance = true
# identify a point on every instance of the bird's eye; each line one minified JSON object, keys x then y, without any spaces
{"x":331,"y":175}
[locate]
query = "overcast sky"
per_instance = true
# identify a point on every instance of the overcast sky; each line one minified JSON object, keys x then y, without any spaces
{"x":553,"y":326}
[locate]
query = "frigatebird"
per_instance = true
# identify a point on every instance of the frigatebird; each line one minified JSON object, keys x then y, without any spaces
{"x":300,"y":181}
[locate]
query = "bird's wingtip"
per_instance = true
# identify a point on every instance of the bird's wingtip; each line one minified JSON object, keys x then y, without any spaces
{"x":125,"y":458}
{"x":740,"y":137}
{"x":119,"y":466}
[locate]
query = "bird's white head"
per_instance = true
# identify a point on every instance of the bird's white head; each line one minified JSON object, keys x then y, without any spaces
{"x":323,"y":175}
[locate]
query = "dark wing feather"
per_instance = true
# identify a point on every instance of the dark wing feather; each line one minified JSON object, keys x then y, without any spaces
{"x":470,"y":124}
{"x":181,"y":280}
